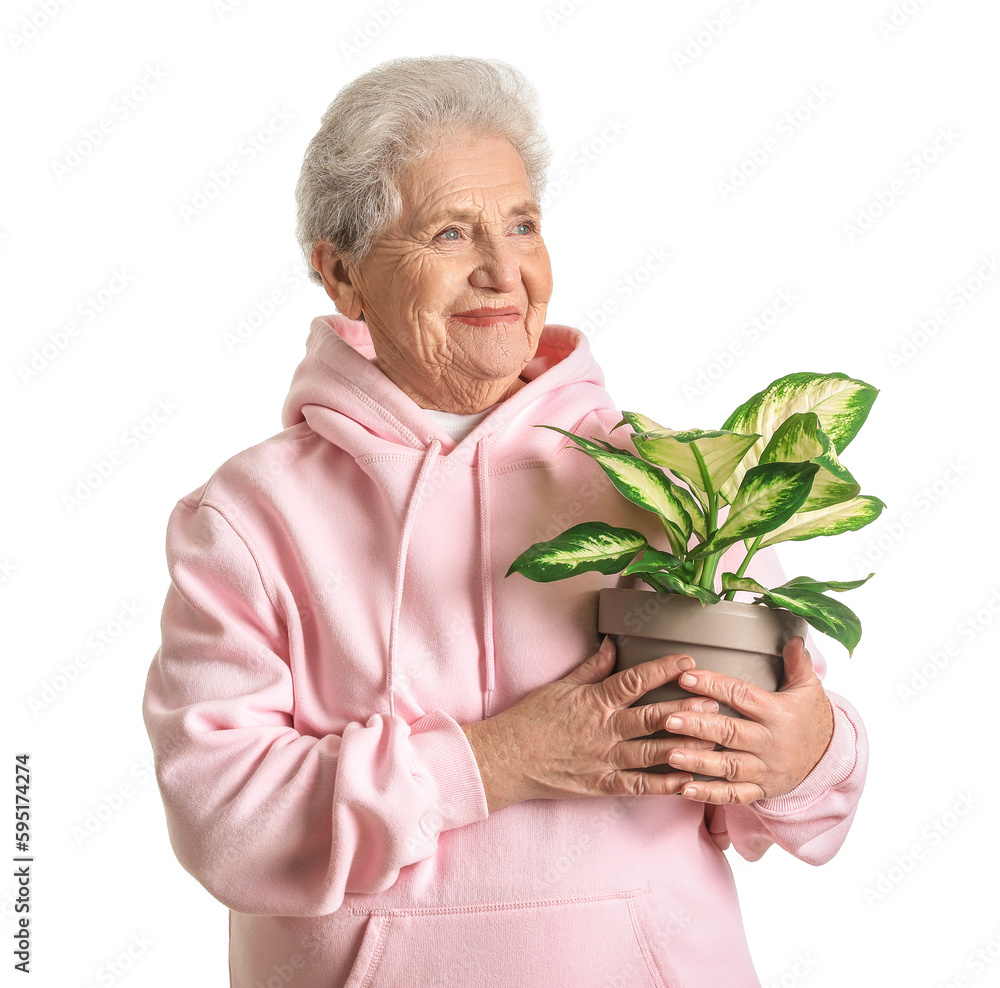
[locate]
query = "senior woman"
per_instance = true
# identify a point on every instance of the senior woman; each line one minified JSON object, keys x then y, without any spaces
{"x":393,"y":765}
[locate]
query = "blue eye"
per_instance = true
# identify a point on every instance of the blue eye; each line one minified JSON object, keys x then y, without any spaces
{"x":528,"y":227}
{"x":444,"y":234}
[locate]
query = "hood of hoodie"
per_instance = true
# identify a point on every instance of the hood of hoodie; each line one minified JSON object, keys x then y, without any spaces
{"x":343,"y":396}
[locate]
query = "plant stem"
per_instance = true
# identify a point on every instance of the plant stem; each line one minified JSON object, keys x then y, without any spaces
{"x":751,"y":549}
{"x":707,"y":579}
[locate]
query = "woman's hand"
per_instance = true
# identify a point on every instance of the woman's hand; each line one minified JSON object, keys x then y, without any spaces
{"x":579,"y":736}
{"x":769,"y":753}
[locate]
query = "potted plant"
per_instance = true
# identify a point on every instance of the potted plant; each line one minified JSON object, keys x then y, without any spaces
{"x":775,"y":464}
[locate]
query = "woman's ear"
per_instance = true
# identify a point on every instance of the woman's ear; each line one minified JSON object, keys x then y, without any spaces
{"x":337,"y":280}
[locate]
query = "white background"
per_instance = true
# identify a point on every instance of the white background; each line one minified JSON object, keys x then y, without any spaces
{"x":646,"y":142}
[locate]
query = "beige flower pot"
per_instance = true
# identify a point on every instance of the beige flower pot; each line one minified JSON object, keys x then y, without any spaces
{"x":737,"y":639}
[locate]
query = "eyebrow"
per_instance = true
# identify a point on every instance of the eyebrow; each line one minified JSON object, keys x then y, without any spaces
{"x":528,"y":206}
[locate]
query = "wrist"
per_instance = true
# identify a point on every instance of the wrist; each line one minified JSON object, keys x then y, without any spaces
{"x":496,"y":759}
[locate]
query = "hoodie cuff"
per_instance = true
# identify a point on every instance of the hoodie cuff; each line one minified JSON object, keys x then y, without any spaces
{"x":446,"y":757}
{"x":831,"y":771}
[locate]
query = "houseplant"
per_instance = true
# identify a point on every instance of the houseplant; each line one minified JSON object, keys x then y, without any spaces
{"x":775,"y":464}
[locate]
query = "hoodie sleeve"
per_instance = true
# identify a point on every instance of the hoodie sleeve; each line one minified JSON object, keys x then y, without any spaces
{"x":811,"y":820}
{"x":271,"y":821}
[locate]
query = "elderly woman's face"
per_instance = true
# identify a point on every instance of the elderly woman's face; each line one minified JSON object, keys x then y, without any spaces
{"x":468,"y":239}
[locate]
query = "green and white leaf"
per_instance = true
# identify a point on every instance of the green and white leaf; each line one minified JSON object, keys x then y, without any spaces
{"x":703,"y":459}
{"x":841,"y":403}
{"x":730,"y":581}
{"x":656,"y":561}
{"x":824,"y":614}
{"x":592,"y":545}
{"x":798,"y":438}
{"x":848,"y":516}
{"x":770,"y":494}
{"x":819,"y":586}
{"x":643,"y":484}
{"x":668,"y":583}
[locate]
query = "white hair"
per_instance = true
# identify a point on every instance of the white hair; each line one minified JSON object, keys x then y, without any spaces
{"x":398,"y":112}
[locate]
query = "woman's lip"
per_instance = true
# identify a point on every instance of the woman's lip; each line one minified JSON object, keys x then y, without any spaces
{"x":487,"y":316}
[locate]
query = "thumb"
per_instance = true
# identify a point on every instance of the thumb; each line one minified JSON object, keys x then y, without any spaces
{"x":595,"y":668}
{"x":798,"y":663}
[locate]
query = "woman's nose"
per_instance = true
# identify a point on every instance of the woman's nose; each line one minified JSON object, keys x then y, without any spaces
{"x":497,"y":267}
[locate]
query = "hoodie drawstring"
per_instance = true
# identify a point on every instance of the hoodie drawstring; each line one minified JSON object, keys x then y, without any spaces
{"x":482,"y":469}
{"x":482,"y":466}
{"x":397,"y":597}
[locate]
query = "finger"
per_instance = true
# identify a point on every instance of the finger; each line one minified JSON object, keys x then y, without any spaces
{"x":748,"y":699}
{"x":735,"y":766}
{"x":596,"y":667}
{"x":730,"y":732}
{"x":723,"y":792}
{"x":646,"y":752}
{"x":799,"y":669}
{"x":639,"y":783}
{"x":625,"y":687}
{"x":636,"y":722}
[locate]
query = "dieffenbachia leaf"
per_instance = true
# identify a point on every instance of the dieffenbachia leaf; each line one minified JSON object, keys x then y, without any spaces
{"x":769,"y":495}
{"x":643,"y":484}
{"x":702,"y":459}
{"x":592,"y":545}
{"x":668,"y":583}
{"x":808,"y":583}
{"x":695,"y":510}
{"x":656,"y":561}
{"x":824,"y":613}
{"x":841,"y":403}
{"x":848,"y":516}
{"x":799,"y":438}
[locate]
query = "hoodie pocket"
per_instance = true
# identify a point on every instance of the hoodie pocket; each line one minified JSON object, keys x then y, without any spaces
{"x":594,"y":941}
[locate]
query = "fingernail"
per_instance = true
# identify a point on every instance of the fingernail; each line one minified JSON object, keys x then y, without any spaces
{"x":685,"y":663}
{"x":688,"y":680}
{"x":709,"y":706}
{"x":690,"y":791}
{"x":674,"y":722}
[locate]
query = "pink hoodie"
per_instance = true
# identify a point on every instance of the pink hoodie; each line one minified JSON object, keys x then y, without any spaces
{"x":338,"y":608}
